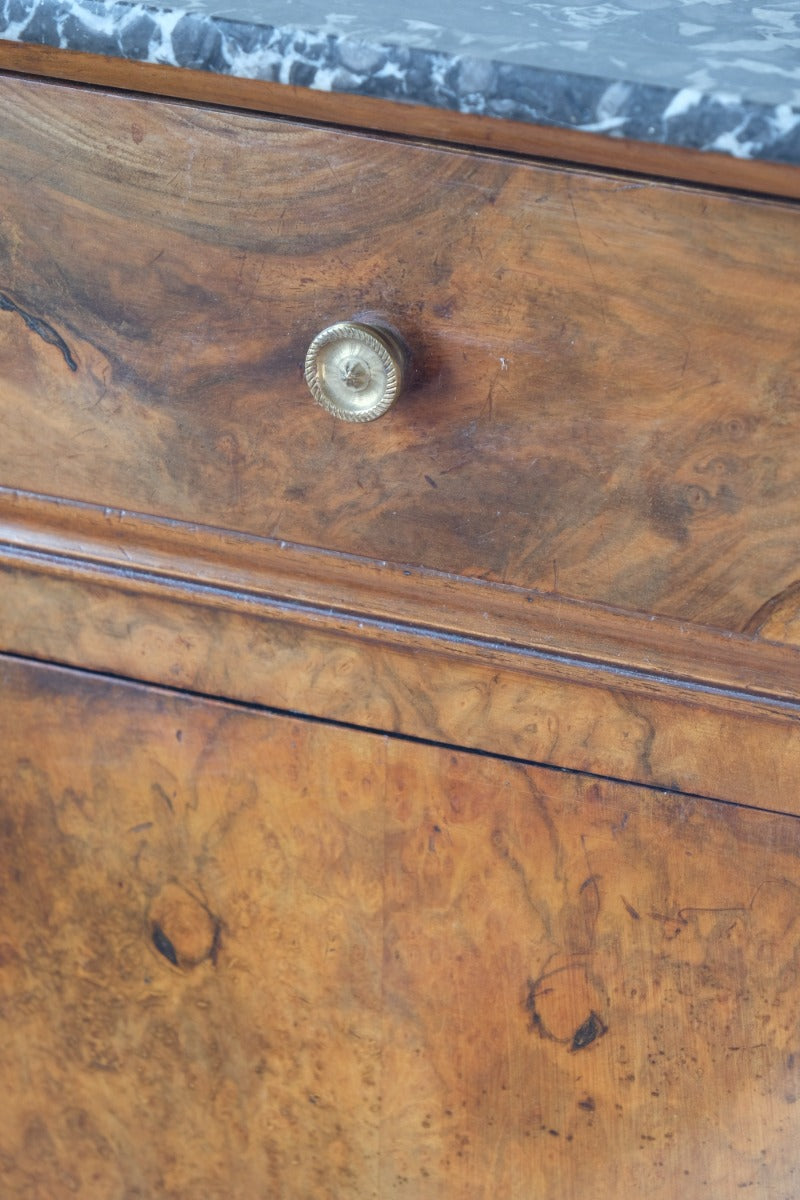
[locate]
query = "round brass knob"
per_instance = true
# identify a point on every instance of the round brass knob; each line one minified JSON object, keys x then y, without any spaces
{"x":355,"y":371}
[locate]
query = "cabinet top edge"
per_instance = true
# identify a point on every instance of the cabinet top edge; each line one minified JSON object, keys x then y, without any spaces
{"x":723,"y":81}
{"x":545,"y":143}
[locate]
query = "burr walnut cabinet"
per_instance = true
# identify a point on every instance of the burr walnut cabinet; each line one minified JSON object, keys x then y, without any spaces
{"x":403,"y":808}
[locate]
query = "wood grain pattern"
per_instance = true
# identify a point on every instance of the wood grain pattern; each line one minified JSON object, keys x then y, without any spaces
{"x":779,"y":619}
{"x":445,"y":659}
{"x":238,"y":570}
{"x":413,"y":120}
{"x":191,"y":930}
{"x":565,"y":712}
{"x":249,"y":955}
{"x":588,"y":418}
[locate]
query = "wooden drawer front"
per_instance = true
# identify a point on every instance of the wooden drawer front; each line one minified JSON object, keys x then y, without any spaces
{"x":243,"y":955}
{"x":606,"y":402}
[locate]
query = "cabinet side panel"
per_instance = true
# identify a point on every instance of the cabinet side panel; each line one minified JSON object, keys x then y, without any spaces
{"x":247,"y":955}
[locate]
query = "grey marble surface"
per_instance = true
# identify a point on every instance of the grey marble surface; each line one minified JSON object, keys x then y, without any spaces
{"x":719,"y":75}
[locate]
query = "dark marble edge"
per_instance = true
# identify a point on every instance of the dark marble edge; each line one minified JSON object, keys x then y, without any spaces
{"x":681,"y":117}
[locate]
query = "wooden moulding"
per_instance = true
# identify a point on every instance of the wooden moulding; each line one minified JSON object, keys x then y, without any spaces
{"x":386,"y":116}
{"x":413,"y":652}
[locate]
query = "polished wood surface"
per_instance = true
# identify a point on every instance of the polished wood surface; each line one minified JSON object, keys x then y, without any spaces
{"x":255,"y":956}
{"x":412,"y":120}
{"x":779,"y":619}
{"x":244,"y":954}
{"x":588,"y":418}
{"x":565,"y":712}
{"x":435,"y":657}
{"x":238,"y":570}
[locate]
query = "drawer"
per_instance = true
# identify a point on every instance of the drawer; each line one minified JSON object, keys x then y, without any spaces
{"x":604,"y":400}
{"x":252,"y":956}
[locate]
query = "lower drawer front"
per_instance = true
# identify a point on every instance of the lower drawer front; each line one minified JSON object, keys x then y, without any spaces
{"x":605,"y":398}
{"x":252,"y":956}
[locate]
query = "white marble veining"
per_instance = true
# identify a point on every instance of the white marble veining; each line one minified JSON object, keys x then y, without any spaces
{"x":719,"y":75}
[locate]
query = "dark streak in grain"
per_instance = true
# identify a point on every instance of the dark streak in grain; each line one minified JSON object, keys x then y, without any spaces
{"x":41,"y":328}
{"x":591,"y":1029}
{"x":163,"y":945}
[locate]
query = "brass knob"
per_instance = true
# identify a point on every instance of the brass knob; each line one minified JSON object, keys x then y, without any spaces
{"x":355,"y":371}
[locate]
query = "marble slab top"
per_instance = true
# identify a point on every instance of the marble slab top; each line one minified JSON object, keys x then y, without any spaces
{"x":716,"y":75}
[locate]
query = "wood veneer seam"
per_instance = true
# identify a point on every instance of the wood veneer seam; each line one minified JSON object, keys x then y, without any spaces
{"x":255,"y":707}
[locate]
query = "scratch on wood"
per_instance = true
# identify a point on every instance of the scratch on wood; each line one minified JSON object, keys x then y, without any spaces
{"x":694,"y":910}
{"x":41,"y":328}
{"x":597,"y":287}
